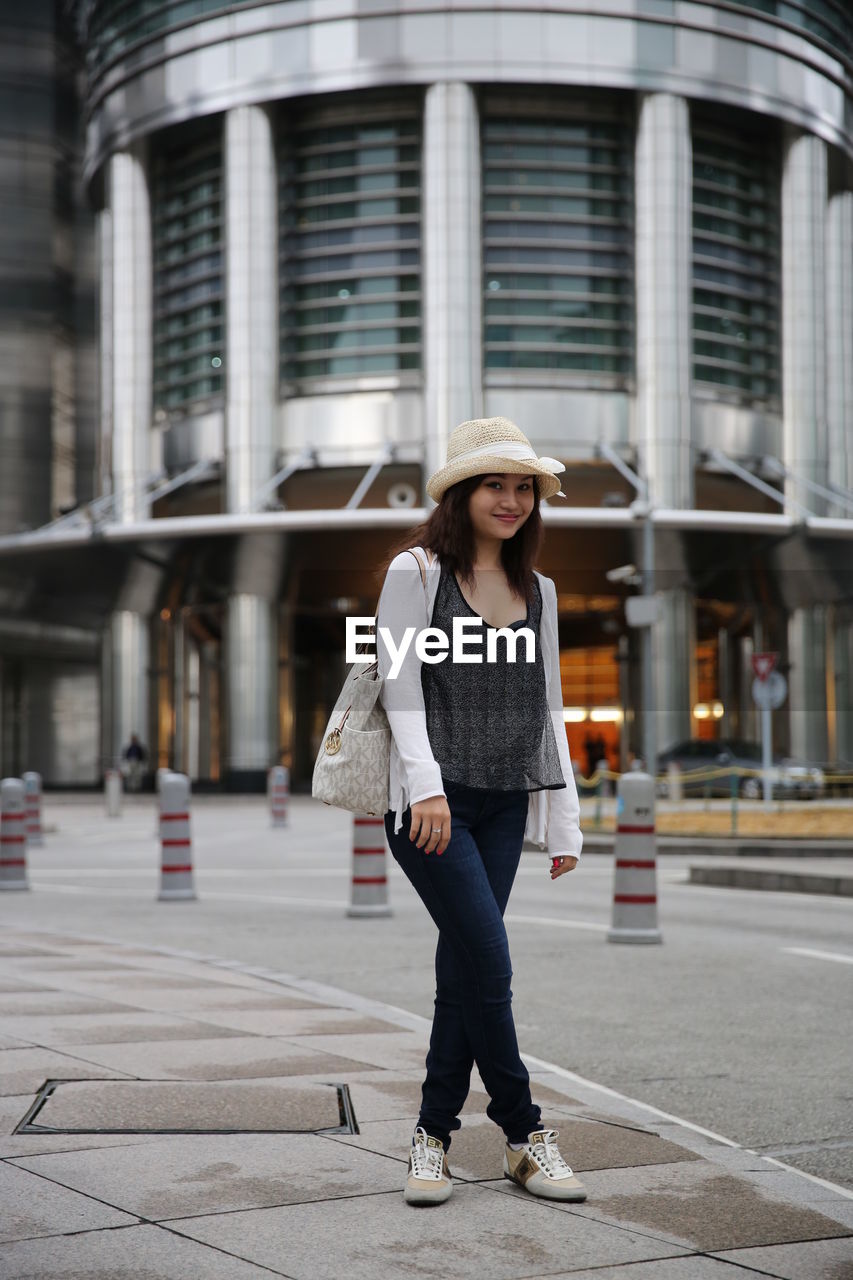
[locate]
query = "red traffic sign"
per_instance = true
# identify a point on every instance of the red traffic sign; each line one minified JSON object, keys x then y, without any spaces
{"x":763,"y":664}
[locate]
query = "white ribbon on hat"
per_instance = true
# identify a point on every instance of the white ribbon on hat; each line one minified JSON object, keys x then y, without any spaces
{"x":515,"y":450}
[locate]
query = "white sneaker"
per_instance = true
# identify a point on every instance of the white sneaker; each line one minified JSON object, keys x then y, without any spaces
{"x":429,"y":1180}
{"x":539,"y":1168}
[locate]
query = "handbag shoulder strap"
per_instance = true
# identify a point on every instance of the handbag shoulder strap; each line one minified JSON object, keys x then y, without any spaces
{"x":416,"y":552}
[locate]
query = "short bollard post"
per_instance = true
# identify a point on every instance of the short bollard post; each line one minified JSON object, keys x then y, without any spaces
{"x":158,"y":778}
{"x":176,"y":854}
{"x":369,"y":889}
{"x":279,"y":793}
{"x":112,"y":792}
{"x":635,"y":909}
{"x":32,"y":808}
{"x":673,"y":782}
{"x":13,"y":835}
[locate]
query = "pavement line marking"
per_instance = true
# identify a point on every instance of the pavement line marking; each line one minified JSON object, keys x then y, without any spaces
{"x":818,"y":955}
{"x":225,"y":897}
{"x":557,"y":922}
{"x":298,"y":902}
{"x":208,"y":871}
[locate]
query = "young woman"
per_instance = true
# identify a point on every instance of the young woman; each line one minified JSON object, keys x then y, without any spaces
{"x":479,"y":759}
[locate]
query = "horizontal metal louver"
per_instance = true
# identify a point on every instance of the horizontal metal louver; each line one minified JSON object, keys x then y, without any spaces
{"x":558,"y":235}
{"x":350,"y":241}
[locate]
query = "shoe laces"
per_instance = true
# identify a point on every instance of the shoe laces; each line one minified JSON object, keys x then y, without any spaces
{"x":547,"y":1155}
{"x":427,"y":1161}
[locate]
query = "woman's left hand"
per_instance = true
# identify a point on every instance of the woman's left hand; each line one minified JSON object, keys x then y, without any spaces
{"x":560,"y":865}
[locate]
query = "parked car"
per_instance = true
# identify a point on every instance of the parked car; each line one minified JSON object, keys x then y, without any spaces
{"x":790,"y":779}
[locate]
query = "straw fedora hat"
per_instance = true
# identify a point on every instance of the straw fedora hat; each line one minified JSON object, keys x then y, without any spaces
{"x":486,"y":445}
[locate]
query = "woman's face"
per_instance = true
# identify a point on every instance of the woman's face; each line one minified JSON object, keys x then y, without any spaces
{"x":500,"y":504}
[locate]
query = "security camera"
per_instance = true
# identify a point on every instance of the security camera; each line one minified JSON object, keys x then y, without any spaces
{"x":625,"y":573}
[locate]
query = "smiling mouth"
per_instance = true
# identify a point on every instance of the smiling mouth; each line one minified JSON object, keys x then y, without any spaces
{"x":507,"y":519}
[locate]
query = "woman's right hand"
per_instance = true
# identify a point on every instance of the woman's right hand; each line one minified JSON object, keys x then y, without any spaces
{"x":430,"y":828}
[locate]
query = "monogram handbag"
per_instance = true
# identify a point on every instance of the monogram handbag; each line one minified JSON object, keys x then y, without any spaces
{"x":352,"y":765}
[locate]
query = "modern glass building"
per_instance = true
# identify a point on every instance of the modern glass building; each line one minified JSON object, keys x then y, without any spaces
{"x":324,"y":236}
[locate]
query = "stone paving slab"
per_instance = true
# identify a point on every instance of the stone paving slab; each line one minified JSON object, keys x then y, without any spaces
{"x":133,"y":1253}
{"x":43,"y":1004}
{"x":25,"y":1070}
{"x":392,"y":1050}
{"x":692,"y":1267}
{"x":821,"y":1260}
{"x":14,"y":1108}
{"x":215,"y":1000}
{"x":110,"y":1028}
{"x":695,"y":1205}
{"x":203,"y":1174}
{"x":318,"y":1021}
{"x":197,"y":1106}
{"x":479,"y":1233}
{"x":477,"y":1149}
{"x":387,"y":1096}
{"x":33,"y":1206}
{"x":235,"y":1058}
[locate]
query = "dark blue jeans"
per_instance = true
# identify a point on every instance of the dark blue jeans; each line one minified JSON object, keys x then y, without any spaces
{"x":466,"y":891}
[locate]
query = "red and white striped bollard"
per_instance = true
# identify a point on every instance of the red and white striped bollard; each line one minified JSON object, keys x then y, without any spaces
{"x":635,"y":898}
{"x":369,"y":887}
{"x":32,"y":807}
{"x":176,"y":854}
{"x":13,"y":835}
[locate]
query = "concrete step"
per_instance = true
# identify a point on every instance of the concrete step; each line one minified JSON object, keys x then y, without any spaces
{"x":778,"y":879}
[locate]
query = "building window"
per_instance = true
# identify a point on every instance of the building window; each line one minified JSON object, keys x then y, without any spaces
{"x":558,"y":254}
{"x":186,"y":210}
{"x":736,"y":256}
{"x":116,"y":25}
{"x":350,"y":229}
{"x":828,"y":20}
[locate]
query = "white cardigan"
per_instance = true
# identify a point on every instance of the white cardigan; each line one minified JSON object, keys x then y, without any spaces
{"x":552,"y":816}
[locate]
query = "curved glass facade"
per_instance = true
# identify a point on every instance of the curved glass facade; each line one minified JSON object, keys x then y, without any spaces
{"x":558,"y":235}
{"x":349,"y":240}
{"x":736,"y":256}
{"x":829,"y":20}
{"x":186,"y":215}
{"x":115,"y":25}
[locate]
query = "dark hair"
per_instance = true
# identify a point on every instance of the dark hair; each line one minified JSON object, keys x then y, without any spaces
{"x":448,"y":533}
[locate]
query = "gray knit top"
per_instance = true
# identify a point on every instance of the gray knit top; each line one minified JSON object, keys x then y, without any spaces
{"x":488,"y":723}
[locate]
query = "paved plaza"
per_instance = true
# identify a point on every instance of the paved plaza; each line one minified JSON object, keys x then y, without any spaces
{"x":172,"y":1111}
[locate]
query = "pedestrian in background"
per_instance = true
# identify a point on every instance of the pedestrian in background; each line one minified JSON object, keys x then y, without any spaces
{"x":479,"y":759}
{"x":133,"y":763}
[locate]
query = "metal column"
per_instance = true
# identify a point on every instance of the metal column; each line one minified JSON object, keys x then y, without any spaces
{"x":804,"y":354}
{"x":125,"y":684}
{"x":839,"y":342}
{"x":251,"y":273}
{"x":804,"y":195}
{"x":251,"y":663}
{"x":125,"y":464}
{"x":126,"y":300}
{"x":252,"y":392}
{"x":675,"y":668}
{"x":839,"y":392}
{"x":452,"y":273}
{"x":663,"y":169}
{"x":842,"y":641}
{"x":807,"y":683}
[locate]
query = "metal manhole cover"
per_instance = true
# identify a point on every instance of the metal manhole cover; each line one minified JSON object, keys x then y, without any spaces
{"x":170,"y":1106}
